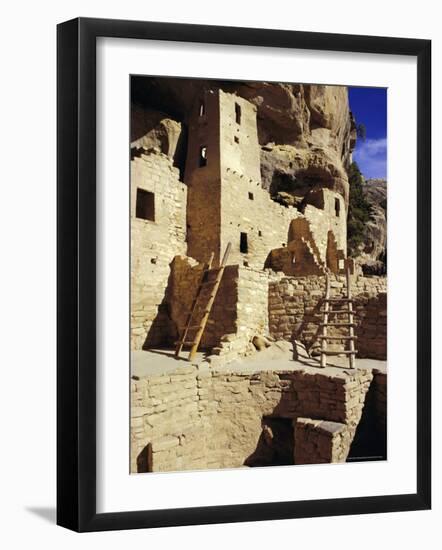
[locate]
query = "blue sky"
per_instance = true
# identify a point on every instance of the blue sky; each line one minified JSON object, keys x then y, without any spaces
{"x":369,"y":107}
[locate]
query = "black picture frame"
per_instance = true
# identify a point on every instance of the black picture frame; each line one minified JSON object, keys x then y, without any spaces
{"x":76,"y":274}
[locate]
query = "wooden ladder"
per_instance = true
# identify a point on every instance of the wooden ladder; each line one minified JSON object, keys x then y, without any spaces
{"x":212,"y":285}
{"x":349,"y":324}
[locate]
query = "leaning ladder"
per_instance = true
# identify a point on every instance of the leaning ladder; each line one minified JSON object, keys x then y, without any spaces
{"x":349,"y":324}
{"x":212,"y":285}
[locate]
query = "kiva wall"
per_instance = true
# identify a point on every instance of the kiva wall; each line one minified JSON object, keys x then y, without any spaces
{"x":198,"y":417}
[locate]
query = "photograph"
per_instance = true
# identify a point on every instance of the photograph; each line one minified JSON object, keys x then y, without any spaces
{"x":258,"y":274}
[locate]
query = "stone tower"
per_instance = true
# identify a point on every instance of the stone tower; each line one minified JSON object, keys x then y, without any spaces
{"x":222,"y":147}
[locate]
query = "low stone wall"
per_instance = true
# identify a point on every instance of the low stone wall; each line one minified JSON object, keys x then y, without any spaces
{"x":294,"y":311}
{"x":199,"y":417}
{"x":321,"y":441}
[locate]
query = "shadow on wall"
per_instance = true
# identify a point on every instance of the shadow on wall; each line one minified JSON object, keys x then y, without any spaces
{"x":163,"y":331}
{"x":308,"y":330}
{"x":144,"y":459}
{"x":275,"y":445}
{"x":370,"y":440}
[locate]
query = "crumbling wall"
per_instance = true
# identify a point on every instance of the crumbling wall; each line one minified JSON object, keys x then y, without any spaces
{"x":199,"y":417}
{"x":331,"y":217}
{"x":154,"y":243}
{"x":294,"y":311}
{"x":247,"y":208}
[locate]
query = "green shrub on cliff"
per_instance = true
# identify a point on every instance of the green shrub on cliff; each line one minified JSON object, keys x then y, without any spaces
{"x":358,"y":211}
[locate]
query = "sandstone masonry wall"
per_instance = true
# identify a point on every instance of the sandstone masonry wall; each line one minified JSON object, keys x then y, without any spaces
{"x":240,"y":310}
{"x":154,"y":243}
{"x":247,"y":208}
{"x":294,"y":311}
{"x":332,"y":216}
{"x":321,"y":441}
{"x":185,"y":276}
{"x":199,"y":417}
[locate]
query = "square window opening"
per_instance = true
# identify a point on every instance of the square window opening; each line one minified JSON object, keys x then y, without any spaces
{"x":243,"y":244}
{"x":145,"y":205}
{"x":251,"y":196}
{"x":236,"y":139}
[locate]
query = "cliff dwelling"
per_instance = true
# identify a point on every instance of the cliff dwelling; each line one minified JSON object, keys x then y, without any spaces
{"x":244,"y":187}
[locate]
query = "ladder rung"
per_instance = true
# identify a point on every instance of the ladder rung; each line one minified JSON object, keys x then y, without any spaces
{"x":337,"y":324}
{"x":341,"y":352}
{"x":322,"y":337}
{"x":199,"y":311}
{"x":337,"y":300}
{"x":211,"y":282}
{"x":190,"y":327}
{"x":341,"y":311}
{"x":185,"y":343}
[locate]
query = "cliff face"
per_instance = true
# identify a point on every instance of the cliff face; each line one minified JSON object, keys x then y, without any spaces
{"x":319,"y":151}
{"x":306,"y":132}
{"x":373,"y":255}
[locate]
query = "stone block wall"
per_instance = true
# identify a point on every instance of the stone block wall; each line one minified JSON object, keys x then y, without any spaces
{"x":203,"y":180}
{"x":321,"y":441}
{"x":248,"y":208}
{"x":154,"y":244}
{"x":240,"y":150}
{"x":240,"y":310}
{"x":185,"y":277}
{"x":199,"y":417}
{"x":294,"y":311}
{"x":329,"y":217}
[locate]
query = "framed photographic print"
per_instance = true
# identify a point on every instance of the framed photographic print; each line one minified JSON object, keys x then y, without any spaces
{"x":226,"y":303}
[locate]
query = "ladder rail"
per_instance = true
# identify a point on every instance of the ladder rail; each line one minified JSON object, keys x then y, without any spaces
{"x":350,"y":324}
{"x":209,"y":305}
{"x":351,"y":331}
{"x":325,"y":321}
{"x":183,"y":337}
